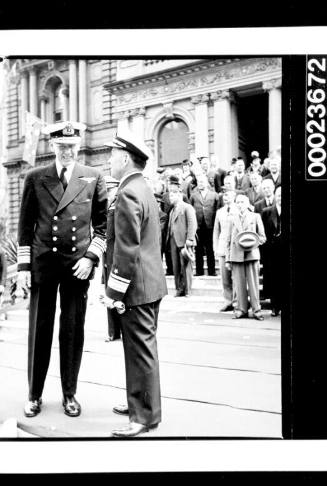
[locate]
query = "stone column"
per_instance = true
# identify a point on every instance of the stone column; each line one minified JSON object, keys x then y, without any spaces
{"x":72,"y":90}
{"x":33,"y":91}
{"x":138,"y":122}
{"x":122,"y":120}
{"x":82,"y":88}
{"x":222,"y":127}
{"x":201,"y":125}
{"x":275,"y":112}
{"x":44,"y":101}
{"x":24,"y":100}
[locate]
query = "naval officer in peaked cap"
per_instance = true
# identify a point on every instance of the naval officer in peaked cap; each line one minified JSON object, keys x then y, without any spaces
{"x":60,"y":204}
{"x":136,"y":281}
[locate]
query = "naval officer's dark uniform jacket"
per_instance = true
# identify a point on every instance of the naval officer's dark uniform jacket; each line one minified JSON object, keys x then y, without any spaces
{"x":136,"y":277}
{"x":55,"y":231}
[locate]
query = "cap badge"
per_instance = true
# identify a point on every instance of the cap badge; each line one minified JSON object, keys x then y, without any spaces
{"x":68,"y":130}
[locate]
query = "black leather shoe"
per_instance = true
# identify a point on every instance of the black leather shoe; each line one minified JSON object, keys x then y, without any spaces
{"x":120,"y":409}
{"x":240,"y":315}
{"x":71,"y":406}
{"x":132,"y":429}
{"x":226,"y":308}
{"x":32,"y":407}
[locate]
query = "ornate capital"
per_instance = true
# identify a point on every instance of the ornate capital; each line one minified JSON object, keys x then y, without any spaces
{"x":222,"y":95}
{"x":200,"y":99}
{"x":272,"y":84}
{"x":121,"y":115}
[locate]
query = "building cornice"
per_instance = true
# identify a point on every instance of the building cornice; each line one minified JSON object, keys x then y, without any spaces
{"x":150,"y":78}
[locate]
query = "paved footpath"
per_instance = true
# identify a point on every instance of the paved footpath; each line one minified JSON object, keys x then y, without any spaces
{"x":219,"y":377}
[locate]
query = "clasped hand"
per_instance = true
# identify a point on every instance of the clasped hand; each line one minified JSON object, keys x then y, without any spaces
{"x":83,"y":268}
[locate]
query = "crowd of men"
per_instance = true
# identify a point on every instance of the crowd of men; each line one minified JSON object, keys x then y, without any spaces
{"x":208,"y":211}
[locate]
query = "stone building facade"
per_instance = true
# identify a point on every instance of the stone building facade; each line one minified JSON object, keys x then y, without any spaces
{"x":182,"y":108}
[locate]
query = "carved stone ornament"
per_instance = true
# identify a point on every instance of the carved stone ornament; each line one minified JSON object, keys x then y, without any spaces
{"x":169,"y":110}
{"x":272,"y":84}
{"x":227,"y":72}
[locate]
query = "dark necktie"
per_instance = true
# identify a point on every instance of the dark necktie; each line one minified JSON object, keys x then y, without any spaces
{"x":63,"y":179}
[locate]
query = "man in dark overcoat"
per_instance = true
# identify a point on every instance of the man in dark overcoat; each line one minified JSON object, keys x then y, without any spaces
{"x":57,"y":250}
{"x":136,"y":280}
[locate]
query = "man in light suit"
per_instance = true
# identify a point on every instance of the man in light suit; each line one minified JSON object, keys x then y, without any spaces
{"x":245,"y":263}
{"x":181,"y":234}
{"x":221,"y":226}
{"x":204,"y":201}
{"x":60,"y":203}
{"x":136,"y":281}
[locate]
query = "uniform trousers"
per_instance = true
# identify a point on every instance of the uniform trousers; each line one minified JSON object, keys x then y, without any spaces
{"x":246,"y":281}
{"x":227,"y":282}
{"x":204,"y":246}
{"x":73,"y":301}
{"x":183,"y":269}
{"x":139,"y":327}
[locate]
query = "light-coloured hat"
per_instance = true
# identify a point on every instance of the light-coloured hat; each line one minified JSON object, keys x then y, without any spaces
{"x":248,"y":240}
{"x":68,"y":132}
{"x":127,"y":140}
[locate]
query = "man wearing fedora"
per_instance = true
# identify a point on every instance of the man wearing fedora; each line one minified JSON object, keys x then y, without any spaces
{"x":181,"y":233}
{"x":60,"y":203}
{"x":245,"y":234}
{"x":136,"y":281}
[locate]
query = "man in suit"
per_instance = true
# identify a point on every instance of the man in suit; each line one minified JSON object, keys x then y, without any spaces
{"x":221,"y":226}
{"x":267,"y":188}
{"x":60,"y":203}
{"x":244,"y":262}
{"x":181,"y":234}
{"x":274,"y":175}
{"x":271,"y":218}
{"x":255,"y":193}
{"x":242,"y":180}
{"x":204,"y":201}
{"x":136,"y":281}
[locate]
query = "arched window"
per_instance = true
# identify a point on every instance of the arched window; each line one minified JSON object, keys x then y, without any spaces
{"x":56,"y":100}
{"x":58,"y":108}
{"x":173,"y":143}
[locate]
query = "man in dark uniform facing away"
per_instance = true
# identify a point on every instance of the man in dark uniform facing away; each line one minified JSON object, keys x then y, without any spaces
{"x":136,"y":280}
{"x":59,"y":205}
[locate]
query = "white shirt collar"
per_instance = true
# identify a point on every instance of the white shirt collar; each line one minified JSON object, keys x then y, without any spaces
{"x":278,"y":207}
{"x":128,"y":175}
{"x":68,"y":172}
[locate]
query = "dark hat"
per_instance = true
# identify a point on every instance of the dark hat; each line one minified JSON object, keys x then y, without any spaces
{"x":126,"y":140}
{"x":174,"y":180}
{"x":160,"y":170}
{"x":186,"y":162}
{"x":247,"y":240}
{"x":187,"y":253}
{"x":67,"y":132}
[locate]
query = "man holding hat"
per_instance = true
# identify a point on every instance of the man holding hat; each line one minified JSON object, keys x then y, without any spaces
{"x":181,"y":234}
{"x":244,"y":235}
{"x":60,"y":203}
{"x":136,"y":281}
